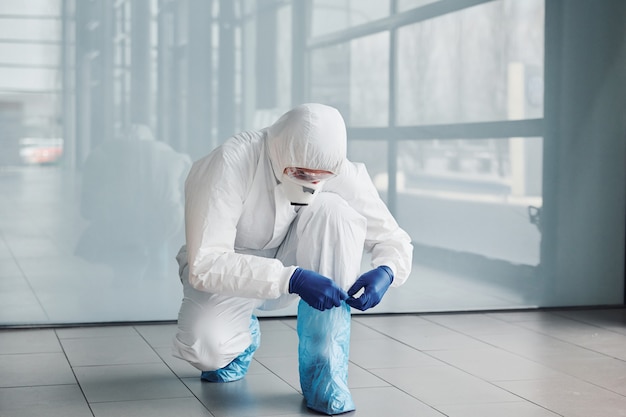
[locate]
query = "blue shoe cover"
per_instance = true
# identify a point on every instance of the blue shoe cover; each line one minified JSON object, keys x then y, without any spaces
{"x":323,"y":351}
{"x":238,"y":368}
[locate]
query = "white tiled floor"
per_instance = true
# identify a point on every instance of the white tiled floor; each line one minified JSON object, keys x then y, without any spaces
{"x":510,"y":364}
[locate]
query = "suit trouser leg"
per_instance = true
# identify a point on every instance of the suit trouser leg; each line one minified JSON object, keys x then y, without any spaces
{"x":214,"y":330}
{"x":331,"y":237}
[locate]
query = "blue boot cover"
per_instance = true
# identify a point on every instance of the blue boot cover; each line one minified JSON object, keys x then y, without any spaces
{"x":238,"y":367}
{"x":323,"y":351}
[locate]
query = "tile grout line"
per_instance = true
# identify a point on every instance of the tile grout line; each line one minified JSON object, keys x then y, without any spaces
{"x":531,"y":359}
{"x":172,"y":371}
{"x":425,"y":352}
{"x":80,"y":387}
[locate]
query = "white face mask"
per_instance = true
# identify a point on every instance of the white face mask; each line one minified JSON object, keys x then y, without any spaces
{"x":299,"y":192}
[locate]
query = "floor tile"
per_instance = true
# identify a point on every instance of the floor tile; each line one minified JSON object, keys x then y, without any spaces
{"x":272,"y":325}
{"x":362,"y":378}
{"x":28,"y":341}
{"x":582,"y":334}
{"x":533,"y":345}
{"x":158,"y":335}
{"x":129,"y":382}
{"x":389,"y":401}
{"x":181,"y":368}
{"x":518,"y":316}
{"x":187,"y":407}
{"x":518,"y":364}
{"x":88,"y":332}
{"x":291,"y":322}
{"x":256,"y":395}
{"x":513,"y":409}
{"x":277,"y":343}
{"x":605,"y":372}
{"x":470,"y":324}
{"x":443,"y":385}
{"x":387,"y":353}
{"x":35,"y":369}
{"x":49,"y":401}
{"x":492,"y":364}
{"x":420,"y":333}
{"x":569,"y":397}
{"x":610,"y":319}
{"x":360,"y":332}
{"x":108,"y":351}
{"x":285,"y":367}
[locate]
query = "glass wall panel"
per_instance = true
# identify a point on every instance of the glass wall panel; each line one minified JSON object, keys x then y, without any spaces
{"x":92,"y":161}
{"x":330,"y":76}
{"x":472,"y":209}
{"x":404,"y":5}
{"x":267,"y":66}
{"x":334,"y":15}
{"x":29,"y":54}
{"x":283,"y":57}
{"x":29,"y":79}
{"x":354,"y":77}
{"x":31,"y":7}
{"x":484,"y":191}
{"x":22,"y":29}
{"x":373,"y":153}
{"x":479,"y":64}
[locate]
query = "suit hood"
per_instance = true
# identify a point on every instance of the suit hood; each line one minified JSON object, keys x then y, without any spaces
{"x":309,"y":136}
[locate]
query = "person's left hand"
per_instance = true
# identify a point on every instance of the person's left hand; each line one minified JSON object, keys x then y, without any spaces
{"x":375,"y":284}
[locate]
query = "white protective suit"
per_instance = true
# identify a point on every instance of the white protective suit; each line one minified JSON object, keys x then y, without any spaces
{"x":245,"y":239}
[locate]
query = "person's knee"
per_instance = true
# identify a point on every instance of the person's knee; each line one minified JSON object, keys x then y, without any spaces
{"x":199,"y":354}
{"x":331,"y":238}
{"x":330,"y":212}
{"x":209,"y":354}
{"x":216,"y":345}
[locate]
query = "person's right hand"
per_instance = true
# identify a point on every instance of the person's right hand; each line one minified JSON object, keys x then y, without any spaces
{"x":316,"y":290}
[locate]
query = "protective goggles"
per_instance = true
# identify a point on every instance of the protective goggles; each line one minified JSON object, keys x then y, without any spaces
{"x":308,"y":175}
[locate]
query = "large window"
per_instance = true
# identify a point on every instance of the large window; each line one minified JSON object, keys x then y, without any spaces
{"x":488,"y":127}
{"x":480,"y":64}
{"x":354,"y":77}
{"x":445,"y":103}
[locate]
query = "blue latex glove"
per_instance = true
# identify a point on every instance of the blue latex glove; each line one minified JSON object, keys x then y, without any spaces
{"x":316,"y":290}
{"x":376,"y":282}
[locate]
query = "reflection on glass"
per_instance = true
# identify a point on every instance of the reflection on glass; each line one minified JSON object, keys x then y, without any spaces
{"x":369,"y":80}
{"x":29,"y":54}
{"x":404,"y":5}
{"x":334,"y":15}
{"x":330,"y":77}
{"x":90,"y":223}
{"x":132,"y":200}
{"x":473,"y":196}
{"x":30,"y":29}
{"x":29,"y":79}
{"x":283,"y":57}
{"x":374,"y":155}
{"x":471,"y":208}
{"x":31,"y":7}
{"x":483,"y":63}
{"x":354,"y":77}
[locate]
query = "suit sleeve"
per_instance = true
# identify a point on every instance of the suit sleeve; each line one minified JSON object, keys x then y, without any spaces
{"x":214,"y":194}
